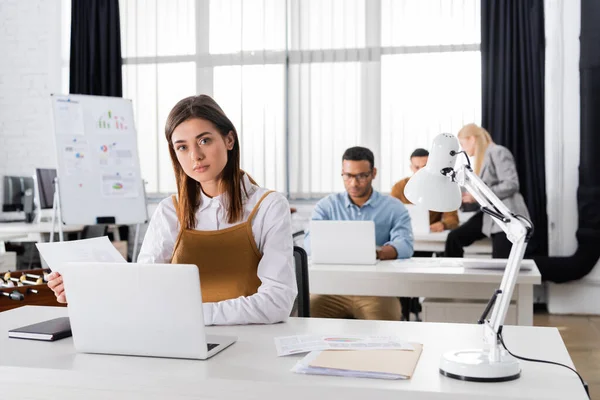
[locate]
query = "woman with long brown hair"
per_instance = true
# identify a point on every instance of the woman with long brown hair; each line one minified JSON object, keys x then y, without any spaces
{"x":238,"y":234}
{"x":496,"y":166}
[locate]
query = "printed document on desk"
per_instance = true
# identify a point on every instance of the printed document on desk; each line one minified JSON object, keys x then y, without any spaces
{"x":287,"y":345}
{"x":420,"y":262}
{"x":378,"y":364}
{"x":468,"y":263}
{"x":494,"y":264}
{"x":86,"y":250}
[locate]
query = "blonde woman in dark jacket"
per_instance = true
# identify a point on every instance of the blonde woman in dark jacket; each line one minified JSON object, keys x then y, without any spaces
{"x":495,"y":165}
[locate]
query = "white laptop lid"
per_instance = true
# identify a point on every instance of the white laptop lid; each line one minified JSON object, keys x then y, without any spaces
{"x":118,"y":308}
{"x":419,"y":218}
{"x":342,"y":242}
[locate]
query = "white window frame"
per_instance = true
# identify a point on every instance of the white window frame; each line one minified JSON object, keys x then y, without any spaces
{"x":369,"y":56}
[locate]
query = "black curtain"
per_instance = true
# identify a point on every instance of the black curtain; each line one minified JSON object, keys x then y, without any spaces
{"x":95,"y":48}
{"x":512,"y":70}
{"x":564,"y":269}
{"x":96,"y":62}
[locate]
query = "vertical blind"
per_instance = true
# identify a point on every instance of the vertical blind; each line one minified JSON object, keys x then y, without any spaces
{"x":302,"y":80}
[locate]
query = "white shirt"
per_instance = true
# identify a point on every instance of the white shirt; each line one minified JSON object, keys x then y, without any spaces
{"x":272,"y":230}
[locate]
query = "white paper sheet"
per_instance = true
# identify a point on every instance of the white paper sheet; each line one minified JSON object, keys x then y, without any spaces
{"x":87,"y":250}
{"x":494,"y":264}
{"x":119,"y":185}
{"x":468,"y":263}
{"x":424,"y":262}
{"x":68,"y":117}
{"x":76,"y":155}
{"x":287,"y":345}
{"x":115,"y":155}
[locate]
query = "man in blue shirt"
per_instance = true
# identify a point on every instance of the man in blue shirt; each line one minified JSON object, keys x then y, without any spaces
{"x":393,"y":235}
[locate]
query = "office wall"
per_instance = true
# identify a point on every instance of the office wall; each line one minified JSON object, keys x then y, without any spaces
{"x":30,"y":69}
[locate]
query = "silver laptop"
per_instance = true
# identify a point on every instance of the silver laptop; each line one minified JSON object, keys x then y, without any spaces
{"x":419,"y":218}
{"x":342,"y":242}
{"x":138,"y":309}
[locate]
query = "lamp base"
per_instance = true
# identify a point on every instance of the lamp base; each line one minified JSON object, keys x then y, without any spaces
{"x":474,"y":365}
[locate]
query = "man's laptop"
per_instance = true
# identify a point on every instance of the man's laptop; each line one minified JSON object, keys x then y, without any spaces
{"x":119,"y":308}
{"x":419,"y":218}
{"x":342,"y":242}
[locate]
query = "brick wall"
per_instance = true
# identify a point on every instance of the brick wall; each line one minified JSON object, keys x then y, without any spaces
{"x":30,"y":69}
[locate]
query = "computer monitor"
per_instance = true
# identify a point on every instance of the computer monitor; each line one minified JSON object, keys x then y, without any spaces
{"x":45,"y":186}
{"x":14,"y":188}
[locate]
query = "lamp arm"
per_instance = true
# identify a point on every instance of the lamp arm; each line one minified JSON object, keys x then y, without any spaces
{"x":482,"y":193}
{"x":517,"y":233}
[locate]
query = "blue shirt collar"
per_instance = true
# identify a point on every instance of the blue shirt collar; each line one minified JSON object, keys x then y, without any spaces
{"x":373,"y":200}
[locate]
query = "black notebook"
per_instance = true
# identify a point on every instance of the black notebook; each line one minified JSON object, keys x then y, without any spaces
{"x":50,"y":330}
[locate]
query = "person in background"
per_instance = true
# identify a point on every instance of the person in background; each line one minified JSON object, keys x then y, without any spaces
{"x":237,"y":233}
{"x":496,"y":167}
{"x":438,"y":221}
{"x":393,"y":232}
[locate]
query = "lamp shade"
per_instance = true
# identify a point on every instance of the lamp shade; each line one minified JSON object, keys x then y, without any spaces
{"x":429,"y":187}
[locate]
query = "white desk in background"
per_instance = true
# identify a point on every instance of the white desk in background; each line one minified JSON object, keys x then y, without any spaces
{"x":250,"y":369}
{"x":423,"y":277}
{"x":436,"y":242}
{"x":34,"y":231}
{"x":24,"y":232}
{"x":6,"y":237}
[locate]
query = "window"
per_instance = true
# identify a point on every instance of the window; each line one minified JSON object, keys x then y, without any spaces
{"x":158,"y":44}
{"x":302,"y":80}
{"x":253,"y":98}
{"x":430,"y":77}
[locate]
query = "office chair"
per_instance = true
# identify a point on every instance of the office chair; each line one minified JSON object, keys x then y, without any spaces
{"x":298,"y":238}
{"x":93,"y":231}
{"x":410,"y":305}
{"x":303,"y":299}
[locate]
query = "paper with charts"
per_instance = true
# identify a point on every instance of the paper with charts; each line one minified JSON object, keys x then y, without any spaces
{"x":287,"y":345}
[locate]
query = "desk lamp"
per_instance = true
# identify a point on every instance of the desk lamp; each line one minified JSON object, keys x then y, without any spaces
{"x":437,"y":187}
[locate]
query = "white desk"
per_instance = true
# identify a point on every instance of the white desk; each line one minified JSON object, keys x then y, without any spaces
{"x":423,"y":277}
{"x":250,"y":368}
{"x":5,"y":237}
{"x":33,"y":231}
{"x":436,"y":242}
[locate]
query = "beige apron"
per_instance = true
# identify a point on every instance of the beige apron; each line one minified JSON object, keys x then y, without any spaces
{"x":227,"y":259}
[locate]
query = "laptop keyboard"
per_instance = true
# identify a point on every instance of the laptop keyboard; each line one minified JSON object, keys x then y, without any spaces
{"x":210,"y":346}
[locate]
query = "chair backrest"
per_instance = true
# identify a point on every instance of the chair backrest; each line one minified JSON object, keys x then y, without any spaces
{"x":303,"y":300}
{"x":92,"y":231}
